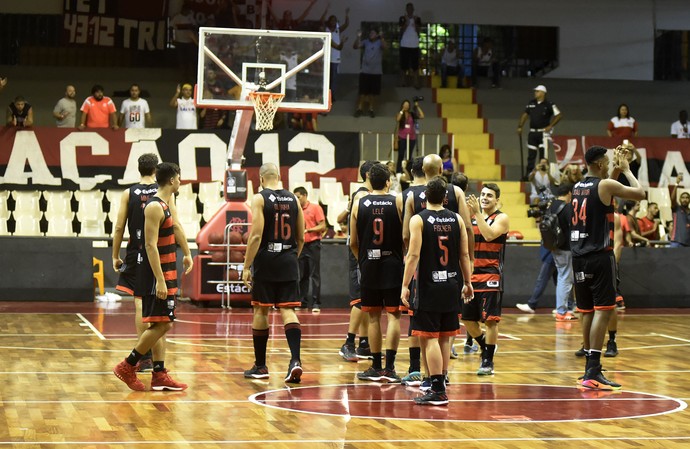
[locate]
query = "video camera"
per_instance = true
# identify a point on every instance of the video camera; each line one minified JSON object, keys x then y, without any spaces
{"x":539,"y":209}
{"x":418,"y":98}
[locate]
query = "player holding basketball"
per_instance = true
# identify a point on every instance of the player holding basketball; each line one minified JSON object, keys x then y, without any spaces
{"x":376,"y":242}
{"x":438,"y":242}
{"x":271,"y":269}
{"x":156,"y":283}
{"x":591,"y":241}
{"x":490,"y":227}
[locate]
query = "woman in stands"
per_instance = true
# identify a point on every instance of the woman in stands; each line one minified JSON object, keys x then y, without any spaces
{"x":622,"y":125}
{"x":406,"y":127}
{"x":450,"y":166}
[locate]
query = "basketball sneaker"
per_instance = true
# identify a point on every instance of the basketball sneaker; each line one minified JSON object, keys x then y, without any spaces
{"x":364,"y":352}
{"x":348,"y":352}
{"x":432,"y":398}
{"x":128,"y":374}
{"x":594,"y":380}
{"x":257,"y":372}
{"x":294,"y":374}
{"x":161,"y":380}
{"x":486,"y":368}
{"x":145,"y":364}
{"x":370,"y":374}
{"x":390,"y":376}
{"x":426,"y":384}
{"x":413,"y":379}
{"x":611,"y":349}
{"x":620,"y":303}
{"x":581,"y":352}
{"x":467,"y":350}
{"x":453,"y":353}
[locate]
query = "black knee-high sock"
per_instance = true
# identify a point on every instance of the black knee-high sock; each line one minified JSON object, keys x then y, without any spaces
{"x":468,"y":342}
{"x":481,"y":341}
{"x":490,"y":350}
{"x":260,"y":337}
{"x":293,"y":333}
{"x":350,"y":339}
{"x":415,"y":359}
{"x":612,"y":335}
{"x":390,"y":359}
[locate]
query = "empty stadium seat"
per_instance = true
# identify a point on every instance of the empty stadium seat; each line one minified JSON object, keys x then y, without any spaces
{"x":188,"y":216}
{"x":26,"y":224}
{"x":114,"y":197}
{"x":90,"y":204}
{"x":211,"y":208}
{"x":659,"y":195}
{"x":60,"y":226}
{"x":4,"y":212}
{"x":331,"y":191}
{"x":27,"y":201}
{"x":210,"y":191}
{"x":186,"y":191}
{"x":58,"y":204}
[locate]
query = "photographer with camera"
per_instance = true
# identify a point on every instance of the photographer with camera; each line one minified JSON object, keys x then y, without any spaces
{"x":406,"y":127}
{"x":541,"y":181}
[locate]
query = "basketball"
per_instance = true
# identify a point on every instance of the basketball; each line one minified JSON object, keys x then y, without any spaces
{"x":245,"y":237}
{"x":233,"y":275}
{"x":235,"y":238}
{"x":218,"y":256}
{"x":237,"y":256}
{"x":215,"y":238}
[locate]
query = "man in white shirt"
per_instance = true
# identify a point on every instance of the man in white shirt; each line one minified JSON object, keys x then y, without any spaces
{"x":65,"y":111}
{"x":679,"y":129}
{"x":409,"y":46}
{"x":450,"y":64}
{"x":186,"y":110}
{"x":337,"y":43}
{"x":135,"y":112}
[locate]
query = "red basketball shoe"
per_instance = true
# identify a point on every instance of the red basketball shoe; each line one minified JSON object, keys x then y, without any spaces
{"x":161,"y":380}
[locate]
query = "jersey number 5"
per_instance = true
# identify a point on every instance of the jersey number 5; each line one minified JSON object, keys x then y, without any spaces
{"x":444,"y":249}
{"x":580,"y":215}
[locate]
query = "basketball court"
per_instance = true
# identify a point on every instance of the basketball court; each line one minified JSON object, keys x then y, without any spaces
{"x":59,"y":390}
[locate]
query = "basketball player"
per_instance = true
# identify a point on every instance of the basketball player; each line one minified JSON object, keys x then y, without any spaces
{"x":271,"y":269}
{"x":156,"y":283}
{"x":131,"y":213}
{"x":490,"y":227}
{"x":432,"y":165}
{"x":438,"y":243}
{"x":376,"y":242}
{"x":591,"y":241}
{"x":358,"y":320}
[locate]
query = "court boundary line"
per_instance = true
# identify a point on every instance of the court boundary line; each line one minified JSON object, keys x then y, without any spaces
{"x":91,"y":326}
{"x":682,"y":405}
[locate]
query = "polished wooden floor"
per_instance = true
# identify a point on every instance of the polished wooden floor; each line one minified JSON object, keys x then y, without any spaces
{"x":58,"y":389}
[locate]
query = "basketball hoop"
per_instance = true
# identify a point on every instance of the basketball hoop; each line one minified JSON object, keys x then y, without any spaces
{"x":265,"y":107}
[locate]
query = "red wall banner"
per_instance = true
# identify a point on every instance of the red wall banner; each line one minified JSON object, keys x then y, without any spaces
{"x":662,"y":158}
{"x":68,"y":159}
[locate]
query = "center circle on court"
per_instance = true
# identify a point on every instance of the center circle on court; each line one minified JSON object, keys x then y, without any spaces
{"x":480,"y":402}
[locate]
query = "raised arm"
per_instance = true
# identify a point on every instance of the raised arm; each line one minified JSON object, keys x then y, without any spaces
{"x":173,"y":100}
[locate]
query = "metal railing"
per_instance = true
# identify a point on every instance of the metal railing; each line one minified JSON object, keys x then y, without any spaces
{"x":379,"y":145}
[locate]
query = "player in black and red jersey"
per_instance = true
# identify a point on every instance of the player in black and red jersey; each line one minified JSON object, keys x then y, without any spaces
{"x":592,"y":241}
{"x":156,"y":283}
{"x":271,"y":269}
{"x":490,"y":227}
{"x":438,"y":252}
{"x":376,"y":242}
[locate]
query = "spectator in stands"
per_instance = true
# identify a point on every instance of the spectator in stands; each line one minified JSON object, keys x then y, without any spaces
{"x":3,"y":83}
{"x":212,"y":118}
{"x":227,"y":14}
{"x":451,"y":64}
{"x":186,"y":110}
{"x":337,"y":43}
{"x":98,"y":111}
{"x":543,"y":116}
{"x":541,"y":180}
{"x":65,"y":110}
{"x":20,"y":114}
{"x":679,"y":129}
{"x":483,"y":59}
{"x":680,"y":236}
{"x":371,"y":70}
{"x":650,"y":223}
{"x":395,"y":186}
{"x":629,"y":226}
{"x":185,"y":41}
{"x":622,"y":125}
{"x":135,"y":112}
{"x":572,"y":174}
{"x":410,"y":26}
{"x":304,"y":121}
{"x":287,"y":22}
{"x":450,"y":166}
{"x":406,"y":128}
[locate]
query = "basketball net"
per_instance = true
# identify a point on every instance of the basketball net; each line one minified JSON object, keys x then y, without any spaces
{"x":265,"y":106}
